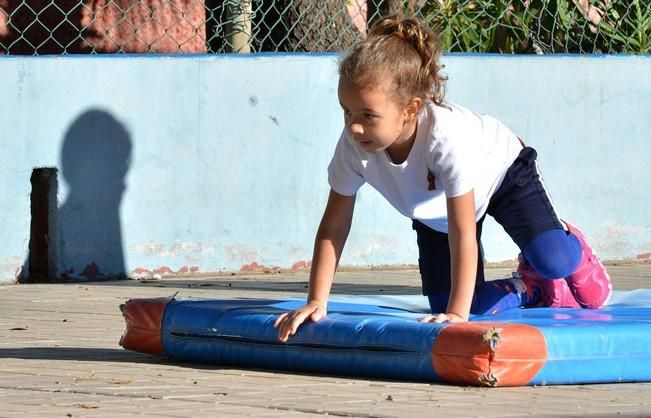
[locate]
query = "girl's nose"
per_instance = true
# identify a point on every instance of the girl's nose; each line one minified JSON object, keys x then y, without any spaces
{"x":356,"y":129}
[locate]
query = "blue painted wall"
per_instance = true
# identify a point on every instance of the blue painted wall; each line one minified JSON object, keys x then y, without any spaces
{"x":212,"y":163}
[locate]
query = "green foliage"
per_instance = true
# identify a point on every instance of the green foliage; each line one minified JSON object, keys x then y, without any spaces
{"x":627,"y":29}
{"x":541,"y":26}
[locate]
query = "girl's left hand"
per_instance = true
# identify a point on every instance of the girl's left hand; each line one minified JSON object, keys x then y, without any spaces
{"x":443,"y":317}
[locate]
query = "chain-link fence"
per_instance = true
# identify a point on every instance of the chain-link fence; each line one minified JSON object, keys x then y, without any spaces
{"x":36,"y":27}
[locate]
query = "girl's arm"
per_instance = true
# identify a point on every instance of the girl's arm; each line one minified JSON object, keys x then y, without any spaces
{"x":328,"y":245}
{"x":462,"y":236}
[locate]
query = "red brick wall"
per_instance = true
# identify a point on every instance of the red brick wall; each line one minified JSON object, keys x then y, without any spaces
{"x":136,"y":26}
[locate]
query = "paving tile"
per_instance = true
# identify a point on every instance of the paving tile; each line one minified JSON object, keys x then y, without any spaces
{"x":67,"y":361}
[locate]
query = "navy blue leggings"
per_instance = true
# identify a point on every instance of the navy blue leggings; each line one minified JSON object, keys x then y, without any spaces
{"x":522,"y":206}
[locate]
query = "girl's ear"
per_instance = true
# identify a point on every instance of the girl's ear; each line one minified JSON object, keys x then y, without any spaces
{"x":413,"y":108}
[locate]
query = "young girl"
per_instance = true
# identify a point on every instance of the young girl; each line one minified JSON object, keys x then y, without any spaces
{"x":445,"y":167}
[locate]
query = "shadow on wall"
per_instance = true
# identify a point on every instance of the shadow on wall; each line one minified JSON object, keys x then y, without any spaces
{"x":94,"y":163}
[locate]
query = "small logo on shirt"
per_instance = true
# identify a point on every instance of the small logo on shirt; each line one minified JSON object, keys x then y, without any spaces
{"x":431,"y":182}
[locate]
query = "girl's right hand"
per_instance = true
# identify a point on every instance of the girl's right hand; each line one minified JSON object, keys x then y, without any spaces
{"x":443,"y":317}
{"x":289,"y":322}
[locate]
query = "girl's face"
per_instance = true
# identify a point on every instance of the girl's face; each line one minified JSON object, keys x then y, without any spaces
{"x":373,"y":118}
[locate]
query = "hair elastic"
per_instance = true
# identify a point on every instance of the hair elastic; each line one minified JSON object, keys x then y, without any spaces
{"x":399,"y":35}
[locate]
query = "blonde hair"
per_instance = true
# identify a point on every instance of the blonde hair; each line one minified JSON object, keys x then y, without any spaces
{"x":402,"y":51}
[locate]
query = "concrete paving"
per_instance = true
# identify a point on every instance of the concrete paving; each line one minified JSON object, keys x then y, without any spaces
{"x":59,"y":357}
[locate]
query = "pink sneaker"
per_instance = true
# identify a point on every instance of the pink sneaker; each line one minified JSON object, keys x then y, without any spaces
{"x":590,"y":283}
{"x":555,"y":292}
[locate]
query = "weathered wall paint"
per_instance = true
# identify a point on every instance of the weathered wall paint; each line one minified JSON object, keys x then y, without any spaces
{"x":213,"y":163}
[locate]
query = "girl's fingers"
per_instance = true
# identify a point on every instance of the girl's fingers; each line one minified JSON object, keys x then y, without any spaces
{"x":280,"y":319}
{"x":426,"y":318}
{"x":284,"y":332}
{"x":440,"y":318}
{"x":434,"y":318}
{"x":289,"y":323}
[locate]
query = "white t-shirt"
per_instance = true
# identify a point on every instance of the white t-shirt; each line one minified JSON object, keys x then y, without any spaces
{"x":462,"y":149}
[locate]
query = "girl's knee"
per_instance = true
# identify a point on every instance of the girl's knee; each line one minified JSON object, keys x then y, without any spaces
{"x":553,"y":254}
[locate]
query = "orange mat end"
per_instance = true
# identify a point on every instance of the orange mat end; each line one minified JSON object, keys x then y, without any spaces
{"x":143,"y":319}
{"x":489,"y":353}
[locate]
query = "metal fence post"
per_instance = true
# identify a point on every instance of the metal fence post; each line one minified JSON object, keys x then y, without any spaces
{"x":239,"y":33}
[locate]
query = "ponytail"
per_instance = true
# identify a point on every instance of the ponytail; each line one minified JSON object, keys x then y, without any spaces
{"x":402,"y":51}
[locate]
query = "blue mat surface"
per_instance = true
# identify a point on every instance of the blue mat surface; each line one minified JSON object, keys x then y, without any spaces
{"x":379,"y":336}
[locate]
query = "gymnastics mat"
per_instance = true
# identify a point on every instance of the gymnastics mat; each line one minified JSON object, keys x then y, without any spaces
{"x":380,"y":337}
